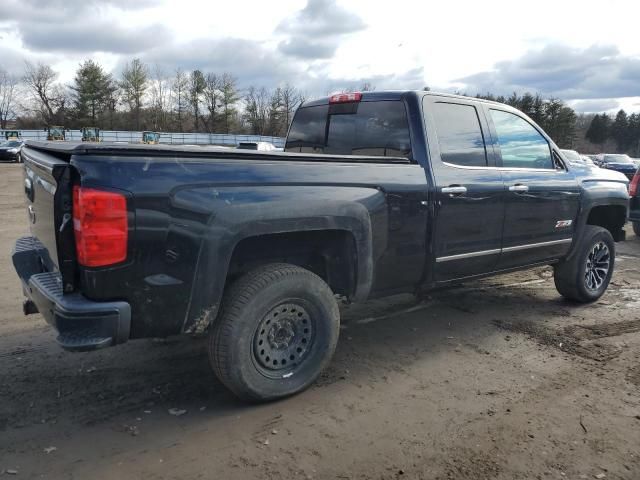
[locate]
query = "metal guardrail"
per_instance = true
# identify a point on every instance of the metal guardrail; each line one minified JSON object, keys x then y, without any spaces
{"x":167,"y":138}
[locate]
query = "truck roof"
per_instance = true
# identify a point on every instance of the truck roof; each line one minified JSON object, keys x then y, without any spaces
{"x":382,"y":95}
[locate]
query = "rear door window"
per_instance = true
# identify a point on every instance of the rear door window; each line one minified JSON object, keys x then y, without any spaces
{"x":459,"y":134}
{"x":365,"y":128}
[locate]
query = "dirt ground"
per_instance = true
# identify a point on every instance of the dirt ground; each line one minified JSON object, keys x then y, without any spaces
{"x":498,"y":379}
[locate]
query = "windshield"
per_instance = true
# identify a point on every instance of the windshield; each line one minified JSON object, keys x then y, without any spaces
{"x":572,"y":155}
{"x":11,"y":143}
{"x":616,"y":159}
{"x":364,"y":128}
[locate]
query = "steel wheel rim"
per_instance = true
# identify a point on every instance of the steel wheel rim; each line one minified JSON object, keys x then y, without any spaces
{"x":597,"y":266}
{"x":283,"y":340}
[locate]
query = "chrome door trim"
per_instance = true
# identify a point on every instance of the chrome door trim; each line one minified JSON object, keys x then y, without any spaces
{"x":516,"y":248}
{"x":537,"y":245}
{"x":467,"y":255}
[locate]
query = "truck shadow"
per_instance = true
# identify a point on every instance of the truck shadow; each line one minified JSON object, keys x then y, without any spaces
{"x":39,"y":383}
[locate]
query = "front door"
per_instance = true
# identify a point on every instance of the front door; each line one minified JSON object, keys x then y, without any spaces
{"x":541,"y":197}
{"x":469,"y":210}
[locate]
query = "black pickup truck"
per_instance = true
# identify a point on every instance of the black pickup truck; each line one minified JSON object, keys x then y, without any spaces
{"x":375,"y":194}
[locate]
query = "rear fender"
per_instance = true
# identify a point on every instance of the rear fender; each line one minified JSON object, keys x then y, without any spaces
{"x":237,"y":213}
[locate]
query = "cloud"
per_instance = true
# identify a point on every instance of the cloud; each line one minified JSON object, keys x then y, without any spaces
{"x":88,"y":36}
{"x":596,"y":72}
{"x":61,"y":10}
{"x":307,"y":49}
{"x":315,"y":31}
{"x":253,"y":64}
{"x":595,"y":105}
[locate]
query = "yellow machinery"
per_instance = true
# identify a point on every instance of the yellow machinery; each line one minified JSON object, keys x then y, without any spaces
{"x":150,"y":138}
{"x":90,"y":134}
{"x":12,"y":134}
{"x":55,"y":133}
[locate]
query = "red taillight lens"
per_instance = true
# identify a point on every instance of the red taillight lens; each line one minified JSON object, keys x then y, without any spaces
{"x":635,"y":184}
{"x":345,"y":97}
{"x":100,"y":226}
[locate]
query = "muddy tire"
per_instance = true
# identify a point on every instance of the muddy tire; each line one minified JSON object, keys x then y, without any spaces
{"x":585,"y":277}
{"x":277,"y":331}
{"x":636,"y":228}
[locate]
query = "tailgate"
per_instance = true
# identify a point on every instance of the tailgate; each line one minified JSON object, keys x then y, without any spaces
{"x":47,"y":188}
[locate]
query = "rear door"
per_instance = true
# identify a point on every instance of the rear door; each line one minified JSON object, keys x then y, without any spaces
{"x":541,"y":197}
{"x":469,"y":208}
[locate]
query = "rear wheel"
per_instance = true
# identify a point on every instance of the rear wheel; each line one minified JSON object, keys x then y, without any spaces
{"x":586,"y":276}
{"x":636,"y":228}
{"x":277,"y":331}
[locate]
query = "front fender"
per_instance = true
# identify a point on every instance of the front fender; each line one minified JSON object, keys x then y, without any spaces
{"x":599,"y":193}
{"x":232,"y":214}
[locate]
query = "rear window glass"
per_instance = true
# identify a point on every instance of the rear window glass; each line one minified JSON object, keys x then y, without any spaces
{"x":459,"y":134}
{"x":367,"y":128}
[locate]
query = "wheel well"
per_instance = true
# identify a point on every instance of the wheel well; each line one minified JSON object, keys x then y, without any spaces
{"x":330,"y":254}
{"x":611,"y":217}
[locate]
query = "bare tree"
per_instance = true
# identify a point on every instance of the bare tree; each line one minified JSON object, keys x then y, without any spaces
{"x":291,"y":99}
{"x":256,"y":112}
{"x":134,"y":84}
{"x":275,"y":113}
{"x":40,"y":80}
{"x":212,"y":97}
{"x":179,"y":88}
{"x":8,"y":84}
{"x":159,"y":90}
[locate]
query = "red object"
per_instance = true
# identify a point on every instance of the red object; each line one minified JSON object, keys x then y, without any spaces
{"x":635,"y":184}
{"x":345,"y":97}
{"x":100,"y":226}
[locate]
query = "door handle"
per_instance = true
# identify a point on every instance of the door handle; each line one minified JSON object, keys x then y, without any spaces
{"x":518,"y":188}
{"x":454,"y":190}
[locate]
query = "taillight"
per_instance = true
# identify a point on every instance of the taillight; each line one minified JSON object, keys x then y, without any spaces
{"x":635,"y":184}
{"x":100,"y":226}
{"x":345,"y":97}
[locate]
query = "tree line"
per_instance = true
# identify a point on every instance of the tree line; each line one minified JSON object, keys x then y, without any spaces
{"x":144,"y":98}
{"x":623,"y":129}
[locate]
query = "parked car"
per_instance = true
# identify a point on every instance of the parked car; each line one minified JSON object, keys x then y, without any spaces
{"x":377,"y":193}
{"x":11,"y":151}
{"x":634,"y":202}
{"x":574,"y":157}
{"x":619,"y":162}
{"x":260,"y":146}
{"x":587,"y":160}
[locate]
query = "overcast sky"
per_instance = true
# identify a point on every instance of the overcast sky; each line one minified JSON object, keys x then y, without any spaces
{"x":585,"y":52}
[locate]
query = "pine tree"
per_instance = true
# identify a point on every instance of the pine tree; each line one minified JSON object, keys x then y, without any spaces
{"x":598,"y":131}
{"x":92,"y":88}
{"x":619,"y":130}
{"x":197,"y":85}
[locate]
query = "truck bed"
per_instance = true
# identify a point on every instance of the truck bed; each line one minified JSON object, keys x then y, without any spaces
{"x":65,"y":150}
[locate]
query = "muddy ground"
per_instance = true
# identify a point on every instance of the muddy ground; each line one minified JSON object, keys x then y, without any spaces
{"x":498,"y":379}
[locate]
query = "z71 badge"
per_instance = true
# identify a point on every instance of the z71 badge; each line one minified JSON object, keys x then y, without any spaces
{"x":563,"y":223}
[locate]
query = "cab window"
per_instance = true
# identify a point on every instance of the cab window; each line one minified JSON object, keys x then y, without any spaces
{"x":520,"y":144}
{"x":459,"y":134}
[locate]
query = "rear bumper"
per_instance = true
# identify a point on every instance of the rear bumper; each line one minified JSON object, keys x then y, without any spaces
{"x":82,"y":324}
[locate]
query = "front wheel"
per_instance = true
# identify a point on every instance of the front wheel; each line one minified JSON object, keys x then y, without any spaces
{"x":277,"y":331}
{"x":585,"y":277}
{"x":636,"y":228}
